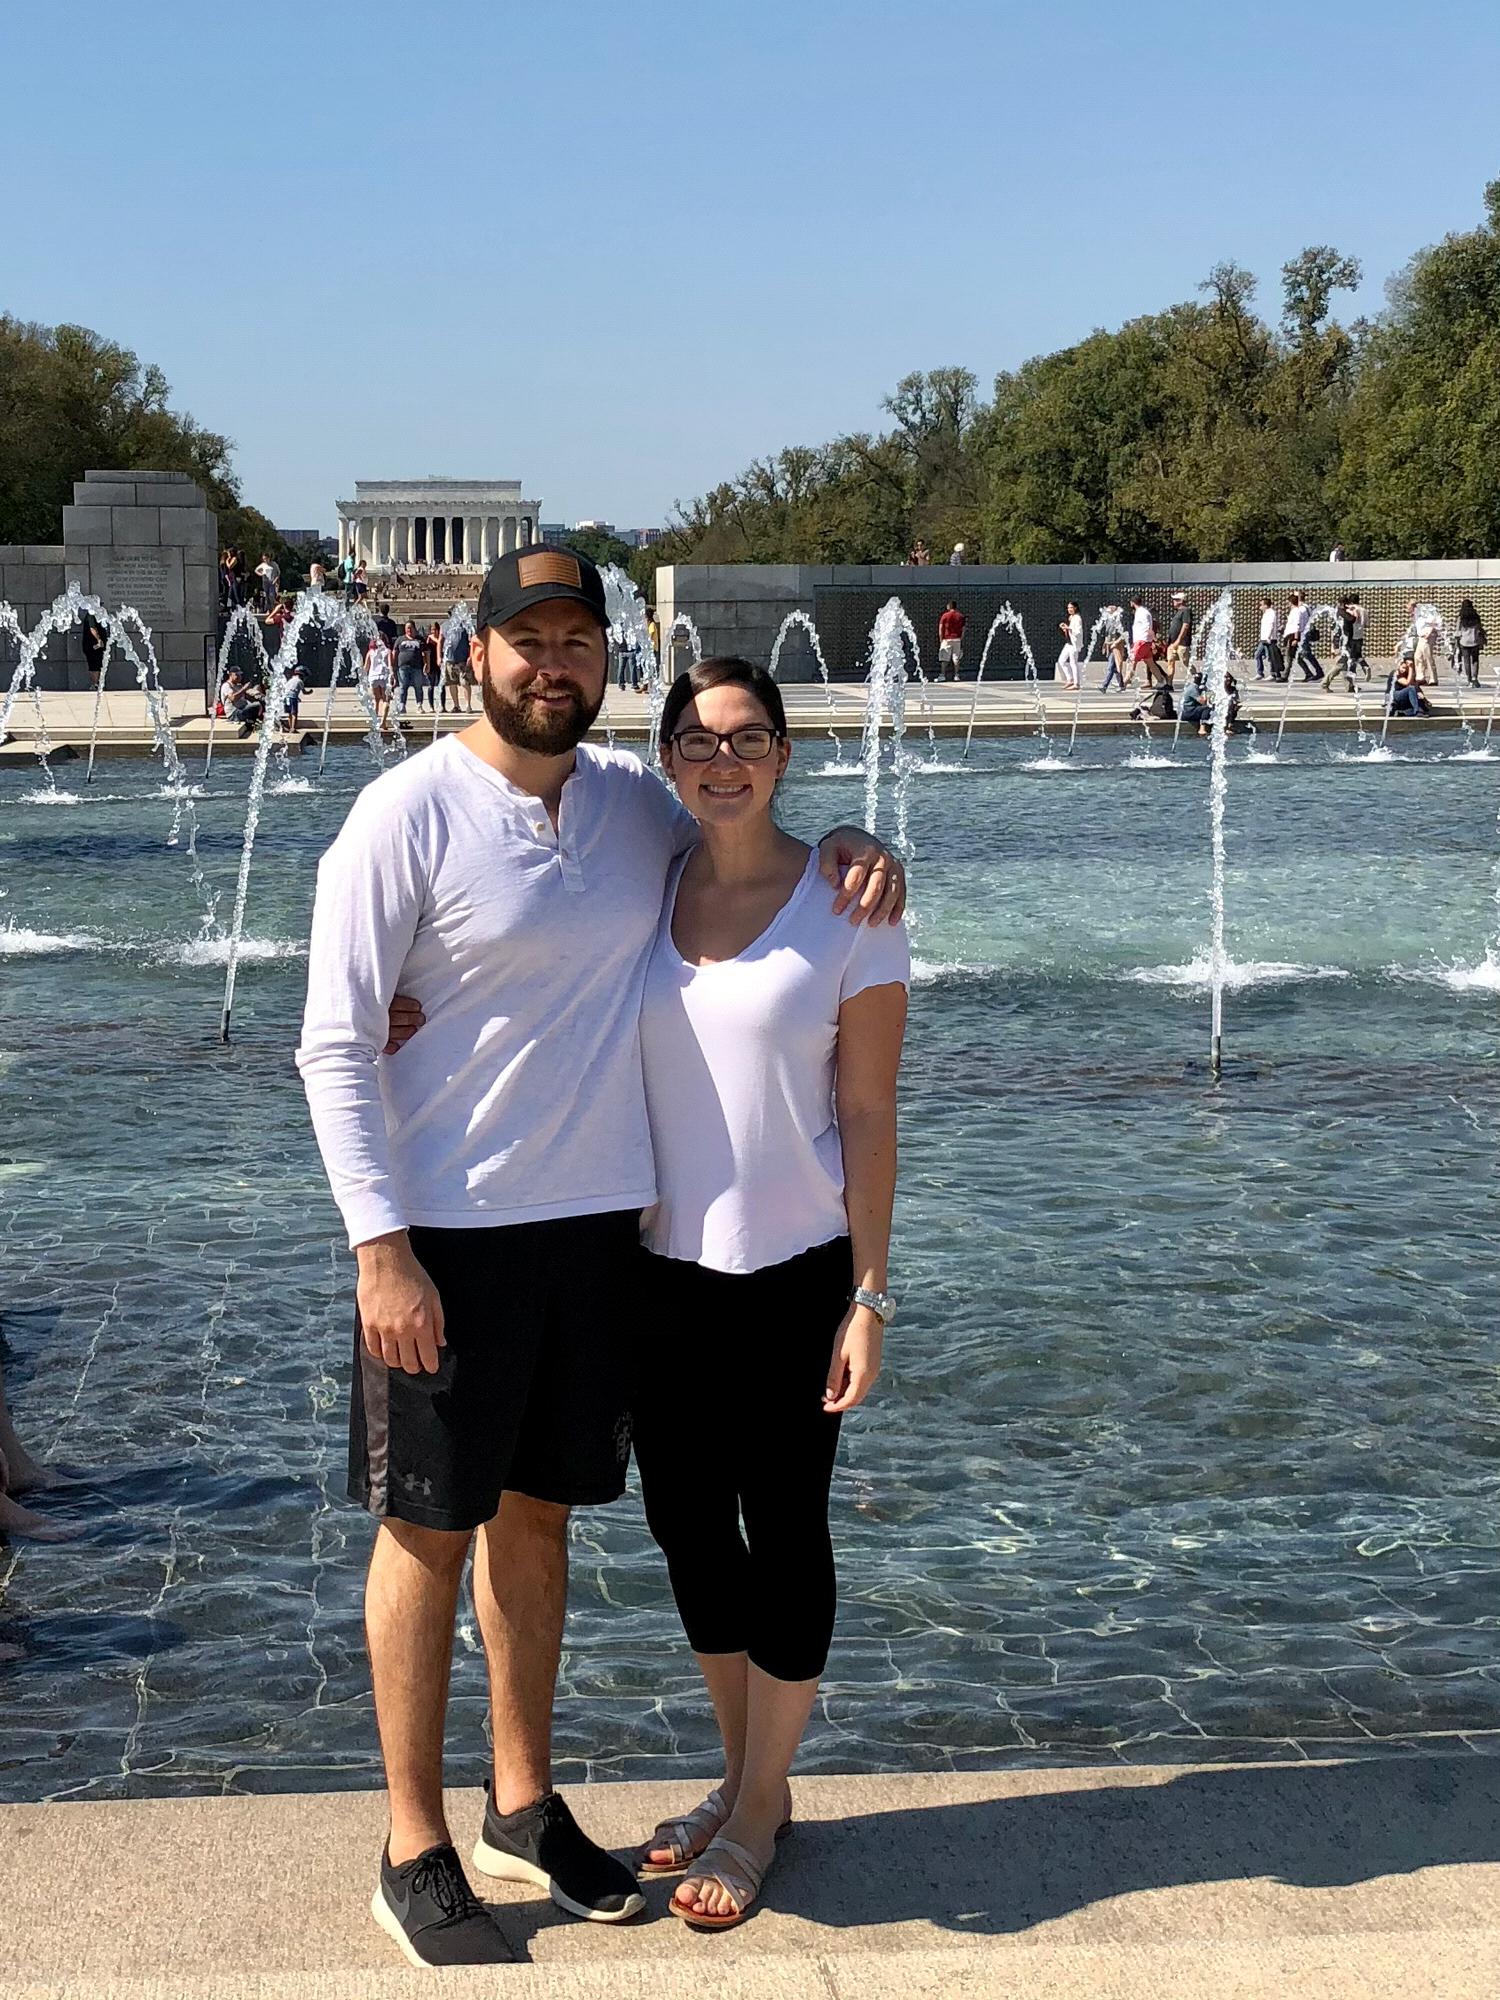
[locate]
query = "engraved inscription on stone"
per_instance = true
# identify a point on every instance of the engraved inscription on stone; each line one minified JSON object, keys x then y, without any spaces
{"x":137,"y":577}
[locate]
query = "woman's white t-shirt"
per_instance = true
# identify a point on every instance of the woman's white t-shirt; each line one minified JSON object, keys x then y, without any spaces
{"x":739,"y":1062}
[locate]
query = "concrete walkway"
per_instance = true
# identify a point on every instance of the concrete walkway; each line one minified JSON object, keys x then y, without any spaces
{"x":1364,"y":1880}
{"x":1004,"y":708}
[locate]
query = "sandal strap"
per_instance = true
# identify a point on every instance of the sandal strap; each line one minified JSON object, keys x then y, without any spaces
{"x":690,"y":1835}
{"x":741,"y":1875}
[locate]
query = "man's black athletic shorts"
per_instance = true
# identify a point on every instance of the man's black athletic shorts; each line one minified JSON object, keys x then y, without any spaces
{"x":532,"y":1394}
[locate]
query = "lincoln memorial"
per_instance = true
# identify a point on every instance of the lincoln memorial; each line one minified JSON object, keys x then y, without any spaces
{"x":460,"y":523}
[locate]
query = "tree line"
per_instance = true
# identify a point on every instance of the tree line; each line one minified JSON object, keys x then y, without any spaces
{"x":72,"y":401}
{"x":1197,"y":434}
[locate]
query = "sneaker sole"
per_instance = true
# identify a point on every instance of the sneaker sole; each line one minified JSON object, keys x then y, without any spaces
{"x":511,"y":1868}
{"x":385,"y":1916}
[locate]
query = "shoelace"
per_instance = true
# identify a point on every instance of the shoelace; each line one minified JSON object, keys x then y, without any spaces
{"x":441,"y":1874}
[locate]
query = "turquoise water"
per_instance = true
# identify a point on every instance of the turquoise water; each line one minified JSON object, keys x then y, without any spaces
{"x":1187,"y":1445}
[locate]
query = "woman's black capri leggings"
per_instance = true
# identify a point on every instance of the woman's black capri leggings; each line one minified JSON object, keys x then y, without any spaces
{"x":730,"y":1429}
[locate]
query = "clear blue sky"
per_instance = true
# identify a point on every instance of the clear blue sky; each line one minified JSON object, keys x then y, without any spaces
{"x":616,"y":251}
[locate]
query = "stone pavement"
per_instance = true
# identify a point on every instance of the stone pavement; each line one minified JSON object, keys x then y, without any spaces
{"x":1370,"y":1879}
{"x":1003,"y":708}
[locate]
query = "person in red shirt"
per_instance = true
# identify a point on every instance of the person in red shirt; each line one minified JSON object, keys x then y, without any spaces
{"x":951,"y":641}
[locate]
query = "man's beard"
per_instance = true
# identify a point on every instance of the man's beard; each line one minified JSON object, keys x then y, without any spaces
{"x":525,"y":725}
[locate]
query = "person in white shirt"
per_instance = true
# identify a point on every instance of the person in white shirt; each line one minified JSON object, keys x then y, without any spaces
{"x":956,"y":560}
{"x":1267,"y":653}
{"x":1292,"y":630}
{"x":490,"y":1177}
{"x":378,"y":674}
{"x":1422,"y":635}
{"x":1070,"y":659}
{"x":1142,"y":641}
{"x":771,"y":1035}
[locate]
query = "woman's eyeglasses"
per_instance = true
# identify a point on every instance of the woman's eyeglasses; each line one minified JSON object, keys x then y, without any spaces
{"x":701,"y":746}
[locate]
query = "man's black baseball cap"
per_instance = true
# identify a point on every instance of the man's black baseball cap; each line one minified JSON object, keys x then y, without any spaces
{"x":530,"y":576}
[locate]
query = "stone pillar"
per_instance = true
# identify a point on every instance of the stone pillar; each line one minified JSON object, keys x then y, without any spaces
{"x":473,"y":553}
{"x":343,"y":536}
{"x":146,"y":539}
{"x":508,"y":530}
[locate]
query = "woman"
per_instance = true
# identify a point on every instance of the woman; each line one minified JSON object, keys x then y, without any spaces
{"x":1472,"y":640}
{"x":378,"y":674}
{"x":432,"y":667}
{"x":1070,"y":659}
{"x":770,"y":1035}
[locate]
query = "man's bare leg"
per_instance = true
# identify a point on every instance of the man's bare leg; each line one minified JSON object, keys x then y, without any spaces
{"x":411,"y":1596}
{"x":520,"y":1594}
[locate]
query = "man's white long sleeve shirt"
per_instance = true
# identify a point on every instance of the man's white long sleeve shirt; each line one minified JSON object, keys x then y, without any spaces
{"x":521,"y":1098}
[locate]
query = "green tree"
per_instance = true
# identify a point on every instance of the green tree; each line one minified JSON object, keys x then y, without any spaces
{"x":1419,"y":471}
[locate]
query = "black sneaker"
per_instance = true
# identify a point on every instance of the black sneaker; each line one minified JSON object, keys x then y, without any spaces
{"x":427,"y":1906}
{"x":544,"y":1844}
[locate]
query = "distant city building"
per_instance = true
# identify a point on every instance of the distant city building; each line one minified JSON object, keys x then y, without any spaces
{"x":305,"y":538}
{"x":457,"y":523}
{"x":554,"y":531}
{"x":595,"y":527}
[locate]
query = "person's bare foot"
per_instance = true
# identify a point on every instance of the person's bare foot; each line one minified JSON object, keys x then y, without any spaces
{"x":706,"y":1896}
{"x":18,"y":1520}
{"x":660,"y":1857}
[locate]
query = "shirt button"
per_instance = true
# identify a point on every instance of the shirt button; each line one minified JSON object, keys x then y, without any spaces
{"x":541,"y":826}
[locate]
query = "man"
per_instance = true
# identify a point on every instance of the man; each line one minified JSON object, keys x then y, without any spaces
{"x":956,"y":560}
{"x":951,"y":641}
{"x":385,"y":625}
{"x":1142,"y":641}
{"x":1293,"y":631}
{"x":94,"y":643}
{"x":1426,"y":624}
{"x":457,"y":673}
{"x":510,"y":879}
{"x":1267,"y":656}
{"x":411,"y":658}
{"x":269,"y":572}
{"x":1179,"y":635}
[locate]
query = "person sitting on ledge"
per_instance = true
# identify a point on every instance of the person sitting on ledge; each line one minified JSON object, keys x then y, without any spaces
{"x":1405,"y":691}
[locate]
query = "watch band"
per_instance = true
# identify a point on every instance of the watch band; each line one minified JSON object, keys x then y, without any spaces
{"x":880,"y":1303}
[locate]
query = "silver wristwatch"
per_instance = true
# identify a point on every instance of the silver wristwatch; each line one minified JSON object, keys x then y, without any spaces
{"x":880,"y":1303}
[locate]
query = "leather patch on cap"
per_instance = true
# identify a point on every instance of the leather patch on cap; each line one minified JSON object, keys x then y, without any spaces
{"x":551,"y":566}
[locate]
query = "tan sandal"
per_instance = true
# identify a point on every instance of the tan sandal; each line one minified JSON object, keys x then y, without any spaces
{"x":734,"y":1868}
{"x":686,"y":1837}
{"x":689,"y":1837}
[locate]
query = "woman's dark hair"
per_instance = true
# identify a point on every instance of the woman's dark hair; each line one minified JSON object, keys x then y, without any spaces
{"x":1467,"y":615}
{"x":726,"y":671}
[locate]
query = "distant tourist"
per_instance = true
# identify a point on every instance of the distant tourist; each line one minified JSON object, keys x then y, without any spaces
{"x":386,"y":626}
{"x":269,"y":572}
{"x":242,"y":700}
{"x":491,"y":1177}
{"x":293,"y":689}
{"x":1404,"y":690}
{"x":93,"y":639}
{"x":361,"y":583}
{"x":1293,"y":632}
{"x":921,"y":555}
{"x":316,"y":577}
{"x":458,"y":670}
{"x":1336,"y":553}
{"x":410,"y":658}
{"x":1179,"y":635}
{"x":653,"y":631}
{"x":21,"y":1473}
{"x":1471,"y":639}
{"x":956,"y":560}
{"x":346,"y":576}
{"x":432,"y":663}
{"x":1267,"y":652}
{"x":950,"y":641}
{"x":1116,"y":646}
{"x":280,"y":614}
{"x":1142,"y":641}
{"x":1069,"y":670}
{"x":378,"y":673}
{"x":1423,"y":632}
{"x":1197,"y":702}
{"x":1349,"y":640}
